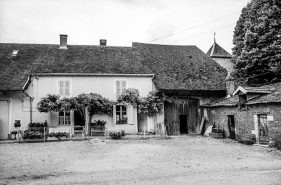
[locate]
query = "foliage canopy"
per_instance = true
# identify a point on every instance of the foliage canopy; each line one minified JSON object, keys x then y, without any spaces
{"x":257,"y":42}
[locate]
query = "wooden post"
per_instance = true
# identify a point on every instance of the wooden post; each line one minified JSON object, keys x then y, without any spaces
{"x":202,"y":124}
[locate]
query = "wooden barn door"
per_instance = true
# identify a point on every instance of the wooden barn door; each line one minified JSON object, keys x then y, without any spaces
{"x":181,"y":116}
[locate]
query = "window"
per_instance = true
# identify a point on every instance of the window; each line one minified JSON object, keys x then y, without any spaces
{"x":64,"y":118}
{"x":15,"y":52}
{"x":121,"y":114}
{"x":64,"y":88}
{"x":121,"y":86}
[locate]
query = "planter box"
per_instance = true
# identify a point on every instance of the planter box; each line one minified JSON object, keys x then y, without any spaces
{"x":52,"y":139}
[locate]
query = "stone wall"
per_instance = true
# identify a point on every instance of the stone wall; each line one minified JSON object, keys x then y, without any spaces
{"x":246,"y":121}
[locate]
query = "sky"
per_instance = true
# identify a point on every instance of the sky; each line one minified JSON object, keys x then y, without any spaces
{"x":121,"y":22}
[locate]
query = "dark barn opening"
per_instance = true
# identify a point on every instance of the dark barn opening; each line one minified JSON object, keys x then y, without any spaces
{"x":183,"y":124}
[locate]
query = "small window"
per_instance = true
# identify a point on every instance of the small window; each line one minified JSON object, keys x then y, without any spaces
{"x":64,"y":88}
{"x":15,"y":52}
{"x":121,"y":86}
{"x":121,"y":114}
{"x":64,"y":118}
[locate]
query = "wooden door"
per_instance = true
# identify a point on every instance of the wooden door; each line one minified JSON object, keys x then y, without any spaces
{"x":181,"y":113}
{"x":142,"y":122}
{"x":231,"y":126}
{"x":263,"y":128}
{"x":4,"y":119}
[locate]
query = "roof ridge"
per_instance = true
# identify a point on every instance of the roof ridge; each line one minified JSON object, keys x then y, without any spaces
{"x":164,"y":44}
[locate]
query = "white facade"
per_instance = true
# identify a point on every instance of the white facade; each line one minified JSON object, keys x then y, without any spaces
{"x":18,"y":104}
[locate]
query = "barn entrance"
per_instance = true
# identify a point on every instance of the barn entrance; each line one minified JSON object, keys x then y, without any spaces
{"x":181,"y":116}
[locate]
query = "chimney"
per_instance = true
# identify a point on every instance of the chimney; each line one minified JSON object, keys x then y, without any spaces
{"x":230,"y":84}
{"x":63,"y":41}
{"x":102,"y":42}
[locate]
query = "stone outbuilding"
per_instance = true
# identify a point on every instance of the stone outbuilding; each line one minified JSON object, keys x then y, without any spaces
{"x":249,"y":113}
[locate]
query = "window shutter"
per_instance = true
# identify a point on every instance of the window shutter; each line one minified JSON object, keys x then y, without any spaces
{"x":130,"y":114}
{"x":61,"y":84}
{"x":67,"y":91}
{"x":114,"y":114}
{"x":124,"y":84}
{"x":118,"y":88}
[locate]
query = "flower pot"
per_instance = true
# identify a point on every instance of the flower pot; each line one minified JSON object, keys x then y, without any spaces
{"x":13,"y":136}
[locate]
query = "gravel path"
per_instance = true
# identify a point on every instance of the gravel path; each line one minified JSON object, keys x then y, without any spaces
{"x":180,"y":160}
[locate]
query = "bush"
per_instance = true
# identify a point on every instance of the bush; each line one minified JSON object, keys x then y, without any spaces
{"x":115,"y":135}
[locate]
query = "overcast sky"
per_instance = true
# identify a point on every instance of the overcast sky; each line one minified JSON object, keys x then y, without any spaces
{"x":121,"y":22}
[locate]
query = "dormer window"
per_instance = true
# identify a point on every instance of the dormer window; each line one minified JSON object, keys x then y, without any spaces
{"x":15,"y":52}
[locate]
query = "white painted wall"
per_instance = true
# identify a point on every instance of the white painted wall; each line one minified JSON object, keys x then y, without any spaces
{"x":225,"y":62}
{"x":43,"y":85}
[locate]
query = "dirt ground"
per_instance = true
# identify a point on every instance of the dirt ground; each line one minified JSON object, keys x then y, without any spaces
{"x":179,"y":160}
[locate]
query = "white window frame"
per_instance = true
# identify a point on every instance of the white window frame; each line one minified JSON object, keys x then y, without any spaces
{"x":115,"y":86}
{"x":64,"y":91}
{"x":65,"y":119}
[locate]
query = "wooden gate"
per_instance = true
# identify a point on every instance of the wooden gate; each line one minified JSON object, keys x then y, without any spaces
{"x":179,"y":111}
{"x":263,"y":129}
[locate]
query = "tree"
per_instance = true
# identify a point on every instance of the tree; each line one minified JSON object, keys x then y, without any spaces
{"x":257,"y":42}
{"x":94,"y":103}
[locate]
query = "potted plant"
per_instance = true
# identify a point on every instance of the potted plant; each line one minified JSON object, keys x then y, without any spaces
{"x":123,"y":133}
{"x":13,"y":135}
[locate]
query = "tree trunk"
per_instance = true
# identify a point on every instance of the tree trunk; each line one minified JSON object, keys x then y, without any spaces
{"x":89,"y":125}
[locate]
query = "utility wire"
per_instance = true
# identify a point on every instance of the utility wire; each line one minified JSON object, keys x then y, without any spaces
{"x":214,"y":20}
{"x":220,"y":28}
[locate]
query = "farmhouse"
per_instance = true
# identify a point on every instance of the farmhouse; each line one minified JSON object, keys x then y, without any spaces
{"x":31,"y":71}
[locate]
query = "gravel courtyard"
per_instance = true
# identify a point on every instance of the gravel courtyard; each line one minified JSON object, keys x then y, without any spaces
{"x":179,"y":160}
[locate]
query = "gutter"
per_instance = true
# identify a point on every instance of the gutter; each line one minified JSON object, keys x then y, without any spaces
{"x":93,"y":74}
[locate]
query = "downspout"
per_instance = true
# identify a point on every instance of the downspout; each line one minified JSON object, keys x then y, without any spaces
{"x":30,"y":99}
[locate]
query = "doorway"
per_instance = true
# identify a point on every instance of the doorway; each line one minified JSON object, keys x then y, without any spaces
{"x":4,"y":119}
{"x":183,"y":124}
{"x":231,"y":126}
{"x":79,"y":121}
{"x":263,"y":128}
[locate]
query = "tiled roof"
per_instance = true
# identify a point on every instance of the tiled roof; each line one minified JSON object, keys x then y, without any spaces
{"x":273,"y":97}
{"x":175,"y":67}
{"x":256,"y":90}
{"x":42,"y":58}
{"x":217,"y":51}
{"x":182,"y":67}
{"x":226,"y":102}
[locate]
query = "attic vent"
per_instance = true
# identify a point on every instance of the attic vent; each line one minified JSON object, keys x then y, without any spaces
{"x":15,"y":52}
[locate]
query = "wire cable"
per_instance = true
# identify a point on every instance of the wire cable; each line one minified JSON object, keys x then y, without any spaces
{"x":214,"y":20}
{"x":216,"y":29}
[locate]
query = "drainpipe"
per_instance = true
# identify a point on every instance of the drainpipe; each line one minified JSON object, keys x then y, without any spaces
{"x":30,"y":99}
